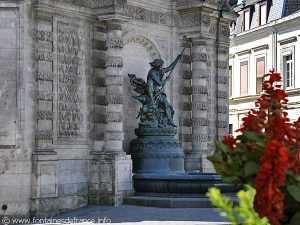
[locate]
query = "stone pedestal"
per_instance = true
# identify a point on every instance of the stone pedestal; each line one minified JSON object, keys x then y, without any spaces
{"x":157,"y":151}
{"x":110,"y":178}
{"x":44,"y":200}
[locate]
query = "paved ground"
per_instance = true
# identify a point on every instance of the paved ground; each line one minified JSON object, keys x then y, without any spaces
{"x":128,"y":214}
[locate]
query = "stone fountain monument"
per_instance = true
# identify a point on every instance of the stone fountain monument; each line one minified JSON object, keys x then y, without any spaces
{"x":158,"y":157}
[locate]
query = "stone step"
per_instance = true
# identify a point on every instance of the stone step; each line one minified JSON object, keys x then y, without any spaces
{"x":173,"y":201}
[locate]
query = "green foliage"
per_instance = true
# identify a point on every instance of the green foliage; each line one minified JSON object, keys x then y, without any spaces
{"x":238,"y":165}
{"x":241,"y":214}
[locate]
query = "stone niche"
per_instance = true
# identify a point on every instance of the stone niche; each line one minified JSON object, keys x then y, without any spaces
{"x":67,"y":115}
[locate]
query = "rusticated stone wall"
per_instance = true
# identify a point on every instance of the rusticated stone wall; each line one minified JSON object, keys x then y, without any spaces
{"x":67,"y":115}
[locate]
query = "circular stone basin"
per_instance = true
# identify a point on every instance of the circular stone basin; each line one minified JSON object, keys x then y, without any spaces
{"x":180,"y":183}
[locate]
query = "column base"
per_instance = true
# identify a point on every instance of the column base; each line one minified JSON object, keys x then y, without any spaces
{"x":110,"y":178}
{"x":44,"y":198}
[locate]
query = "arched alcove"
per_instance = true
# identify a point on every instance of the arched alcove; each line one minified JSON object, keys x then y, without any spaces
{"x":138,"y":52}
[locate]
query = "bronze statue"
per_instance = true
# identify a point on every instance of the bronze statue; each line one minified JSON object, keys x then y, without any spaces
{"x":156,"y":111}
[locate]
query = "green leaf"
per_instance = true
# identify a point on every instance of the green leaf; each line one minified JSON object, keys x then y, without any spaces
{"x":261,"y":144}
{"x":295,"y":220}
{"x":220,"y":146}
{"x":251,"y":168}
{"x":252,"y":136}
{"x":294,"y":190}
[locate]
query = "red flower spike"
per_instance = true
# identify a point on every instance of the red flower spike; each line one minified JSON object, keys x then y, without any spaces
{"x":230,"y":141}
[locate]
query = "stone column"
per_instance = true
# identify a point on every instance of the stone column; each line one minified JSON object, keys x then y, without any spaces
{"x":114,"y":134}
{"x":44,"y":159}
{"x":222,"y":80}
{"x":199,"y":104}
{"x":115,"y":180}
{"x":185,"y":104}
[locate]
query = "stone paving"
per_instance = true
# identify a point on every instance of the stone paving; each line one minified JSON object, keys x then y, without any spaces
{"x":128,"y":214}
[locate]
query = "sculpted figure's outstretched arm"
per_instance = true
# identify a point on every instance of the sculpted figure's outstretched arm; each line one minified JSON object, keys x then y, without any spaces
{"x":173,"y":64}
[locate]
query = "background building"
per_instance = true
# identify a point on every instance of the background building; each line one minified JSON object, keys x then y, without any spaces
{"x":265,"y":36}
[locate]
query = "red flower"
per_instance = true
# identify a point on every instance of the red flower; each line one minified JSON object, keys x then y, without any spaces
{"x":269,"y":200}
{"x":230,"y":141}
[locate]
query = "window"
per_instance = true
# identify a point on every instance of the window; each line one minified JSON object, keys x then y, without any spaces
{"x":246,"y":20}
{"x":230,"y":129}
{"x":244,"y":78}
{"x":262,"y":14}
{"x":288,"y":71}
{"x":230,"y":80}
{"x":260,"y":71}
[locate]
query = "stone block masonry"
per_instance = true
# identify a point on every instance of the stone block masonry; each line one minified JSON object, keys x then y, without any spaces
{"x":65,"y":113}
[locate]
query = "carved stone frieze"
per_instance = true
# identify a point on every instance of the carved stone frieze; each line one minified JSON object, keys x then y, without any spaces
{"x":185,"y":106}
{"x":222,"y":64}
{"x":205,"y":19}
{"x":195,"y":137}
{"x":109,"y":81}
{"x":185,"y":90}
{"x":109,"y":117}
{"x":99,"y":44}
{"x":93,"y":3}
{"x":222,"y":94}
{"x":185,"y":74}
{"x":45,"y":115}
{"x":199,"y":89}
{"x":186,"y":59}
{"x":114,"y":42}
{"x":224,"y":30}
{"x":222,"y":79}
{"x":199,"y":122}
{"x":146,"y":15}
{"x":146,"y":43}
{"x":198,"y":73}
{"x":202,"y":57}
{"x":45,"y":95}
{"x":42,"y":35}
{"x":113,"y":61}
{"x":44,"y":75}
{"x":116,"y":136}
{"x":41,"y":17}
{"x":200,"y":106}
{"x":222,"y":109}
{"x":113,"y":26}
{"x":190,"y":19}
{"x":70,"y":93}
{"x":43,"y":55}
{"x":222,"y":124}
{"x":44,"y":135}
{"x":195,"y":122}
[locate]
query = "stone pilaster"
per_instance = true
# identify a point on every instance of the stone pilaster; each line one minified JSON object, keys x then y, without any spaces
{"x":185,"y":104}
{"x":200,"y":103}
{"x":99,"y":113}
{"x":113,"y":100}
{"x":115,"y":180}
{"x":44,"y":160}
{"x":222,"y":80}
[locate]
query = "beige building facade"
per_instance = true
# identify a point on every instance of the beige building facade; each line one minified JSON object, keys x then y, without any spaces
{"x":265,"y":36}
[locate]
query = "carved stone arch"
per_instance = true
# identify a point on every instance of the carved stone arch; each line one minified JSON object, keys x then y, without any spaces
{"x":145,"y":42}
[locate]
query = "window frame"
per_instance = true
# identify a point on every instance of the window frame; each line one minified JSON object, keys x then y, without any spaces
{"x":244,"y":19}
{"x":291,"y":71}
{"x":258,"y":59}
{"x":290,"y":50}
{"x":259,"y":13}
{"x":245,"y":61}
